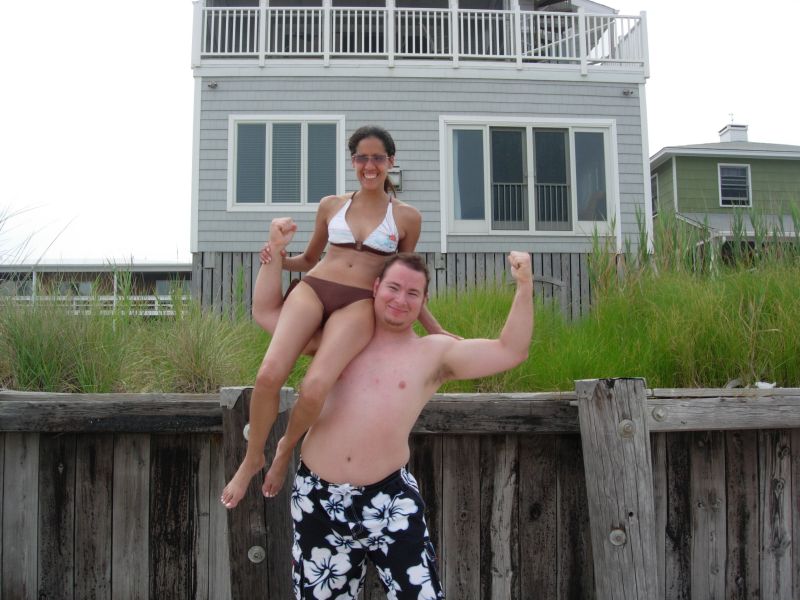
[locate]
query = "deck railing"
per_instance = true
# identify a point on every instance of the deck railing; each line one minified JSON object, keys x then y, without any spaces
{"x":387,"y":33}
{"x":140,"y":306}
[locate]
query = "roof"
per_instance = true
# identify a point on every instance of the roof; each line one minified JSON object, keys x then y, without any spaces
{"x":80,"y":266}
{"x":728,"y":150}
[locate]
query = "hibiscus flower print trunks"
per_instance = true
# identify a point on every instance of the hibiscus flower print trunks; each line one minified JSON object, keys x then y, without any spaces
{"x":338,"y":526}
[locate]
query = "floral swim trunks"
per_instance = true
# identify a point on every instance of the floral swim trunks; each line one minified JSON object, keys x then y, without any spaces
{"x":338,"y":526}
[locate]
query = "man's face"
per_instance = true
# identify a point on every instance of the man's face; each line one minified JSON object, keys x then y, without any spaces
{"x":399,"y":296}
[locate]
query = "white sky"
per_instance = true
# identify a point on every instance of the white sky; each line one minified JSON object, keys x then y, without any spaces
{"x":96,"y":144}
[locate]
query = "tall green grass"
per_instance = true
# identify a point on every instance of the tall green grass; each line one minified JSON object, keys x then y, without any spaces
{"x":695,"y":313}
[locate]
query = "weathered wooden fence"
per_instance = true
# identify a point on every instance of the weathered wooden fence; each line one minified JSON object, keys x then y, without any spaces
{"x":613,"y":491}
{"x":224,"y":280}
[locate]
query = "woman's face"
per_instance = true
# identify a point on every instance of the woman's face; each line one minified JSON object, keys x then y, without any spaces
{"x":371,"y":163}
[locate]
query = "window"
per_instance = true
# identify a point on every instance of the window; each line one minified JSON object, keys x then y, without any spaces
{"x":654,"y":193}
{"x":516,"y":177}
{"x":734,"y":185}
{"x":284,"y":160}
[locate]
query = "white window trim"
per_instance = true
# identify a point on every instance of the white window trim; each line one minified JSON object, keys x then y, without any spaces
{"x":657,"y":200}
{"x":304,"y":120}
{"x":580,"y":228}
{"x":749,"y":185}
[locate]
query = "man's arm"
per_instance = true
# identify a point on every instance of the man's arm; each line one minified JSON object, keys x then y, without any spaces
{"x":468,"y":359}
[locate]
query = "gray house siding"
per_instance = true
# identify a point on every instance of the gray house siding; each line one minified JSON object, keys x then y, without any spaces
{"x":410,"y":109}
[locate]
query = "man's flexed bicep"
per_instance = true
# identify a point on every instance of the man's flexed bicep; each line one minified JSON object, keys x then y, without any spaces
{"x":468,"y":359}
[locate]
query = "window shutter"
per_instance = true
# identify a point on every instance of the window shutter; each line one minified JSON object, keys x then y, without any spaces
{"x":321,"y":161}
{"x":286,"y":162}
{"x":251,"y":152}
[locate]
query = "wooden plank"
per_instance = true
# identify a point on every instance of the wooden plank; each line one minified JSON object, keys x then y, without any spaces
{"x":480,"y":270}
{"x":207,"y":279}
{"x":741,"y":475}
{"x":170,"y":530}
{"x":94,"y":477}
{"x":199,"y":516}
{"x":426,"y":465}
{"x":219,"y":581}
{"x":248,"y":281}
{"x":130,"y":517}
{"x":461,"y":272}
{"x":46,"y":412}
{"x":227,"y":283}
{"x":450,"y":273}
{"x":566,"y":288}
{"x":469,"y":271}
{"x":237,"y":285}
{"x":246,"y":523}
{"x":658,"y":451}
{"x":514,"y":413}
{"x":217,"y":283}
{"x":576,"y":577}
{"x":776,"y":509}
{"x":586,"y":293}
{"x":279,"y":523}
{"x":619,"y":483}
{"x":707,"y":482}
{"x":197,"y":276}
{"x":538,"y":515}
{"x":20,"y":504}
{"x":677,"y":552}
{"x":56,"y":516}
{"x":460,"y":509}
{"x":499,"y":514}
{"x":575,"y":285}
{"x":547,"y":273}
{"x":795,"y":516}
{"x":724,"y":411}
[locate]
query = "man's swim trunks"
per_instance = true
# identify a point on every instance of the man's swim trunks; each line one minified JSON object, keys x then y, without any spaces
{"x":337,"y":526}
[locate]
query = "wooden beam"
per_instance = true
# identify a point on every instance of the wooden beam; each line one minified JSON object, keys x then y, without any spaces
{"x":619,"y":486}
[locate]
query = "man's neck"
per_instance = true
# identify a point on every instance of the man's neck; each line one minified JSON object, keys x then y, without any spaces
{"x":386,"y":334}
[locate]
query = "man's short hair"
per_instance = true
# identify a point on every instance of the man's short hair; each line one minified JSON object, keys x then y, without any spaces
{"x":411,"y":260}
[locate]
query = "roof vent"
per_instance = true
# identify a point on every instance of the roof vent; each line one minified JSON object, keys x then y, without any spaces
{"x":733,"y":133}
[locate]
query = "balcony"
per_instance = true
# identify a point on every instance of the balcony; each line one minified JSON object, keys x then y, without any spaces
{"x":392,"y":35}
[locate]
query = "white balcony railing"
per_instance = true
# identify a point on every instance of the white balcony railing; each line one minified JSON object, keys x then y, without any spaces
{"x":143,"y":306}
{"x":390,"y":33}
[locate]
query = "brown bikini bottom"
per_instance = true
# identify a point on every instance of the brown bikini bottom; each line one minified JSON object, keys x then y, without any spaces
{"x":332,"y":295}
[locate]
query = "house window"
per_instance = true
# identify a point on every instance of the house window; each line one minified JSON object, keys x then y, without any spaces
{"x":734,"y":185}
{"x":518,"y":177}
{"x":654,"y":193}
{"x":284,"y":161}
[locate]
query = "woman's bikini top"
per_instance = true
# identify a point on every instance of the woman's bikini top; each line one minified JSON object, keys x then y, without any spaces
{"x":383,"y":240}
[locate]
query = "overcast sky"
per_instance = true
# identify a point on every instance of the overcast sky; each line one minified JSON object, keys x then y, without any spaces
{"x":97,"y":130}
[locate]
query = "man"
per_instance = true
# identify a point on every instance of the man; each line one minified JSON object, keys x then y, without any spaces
{"x":352,"y":496}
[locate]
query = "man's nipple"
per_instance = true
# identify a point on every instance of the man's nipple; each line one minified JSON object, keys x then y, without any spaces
{"x":402,"y":385}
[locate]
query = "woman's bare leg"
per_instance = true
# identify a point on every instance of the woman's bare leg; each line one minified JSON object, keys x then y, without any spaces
{"x":300,"y":317}
{"x":346,"y":333}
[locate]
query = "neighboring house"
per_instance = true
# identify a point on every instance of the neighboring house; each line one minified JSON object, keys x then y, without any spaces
{"x":149,"y":287}
{"x":519,"y":125}
{"x":708,"y":184}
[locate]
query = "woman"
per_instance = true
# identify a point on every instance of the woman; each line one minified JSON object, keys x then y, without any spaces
{"x":362,"y":228}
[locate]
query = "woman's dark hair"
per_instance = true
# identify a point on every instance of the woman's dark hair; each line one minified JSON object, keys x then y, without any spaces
{"x":373,"y":131}
{"x":411,"y":260}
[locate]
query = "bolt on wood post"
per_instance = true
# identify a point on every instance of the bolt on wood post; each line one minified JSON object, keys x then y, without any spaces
{"x":619,"y":486}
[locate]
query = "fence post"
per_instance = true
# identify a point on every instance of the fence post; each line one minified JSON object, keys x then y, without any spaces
{"x":259,"y":529}
{"x":619,"y":486}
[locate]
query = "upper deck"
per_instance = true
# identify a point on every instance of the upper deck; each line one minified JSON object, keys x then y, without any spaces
{"x":397,"y":37}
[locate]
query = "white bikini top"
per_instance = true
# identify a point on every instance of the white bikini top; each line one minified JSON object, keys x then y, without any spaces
{"x":383,"y":240}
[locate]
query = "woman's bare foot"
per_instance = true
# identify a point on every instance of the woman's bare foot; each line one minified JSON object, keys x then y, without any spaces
{"x":237,"y":486}
{"x":273,"y":481}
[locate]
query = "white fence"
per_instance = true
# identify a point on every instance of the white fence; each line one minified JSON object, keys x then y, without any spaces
{"x":405,"y":33}
{"x":142,"y":306}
